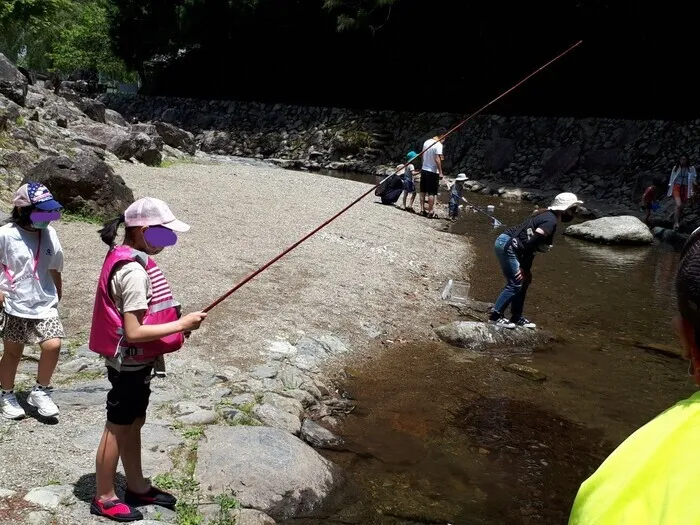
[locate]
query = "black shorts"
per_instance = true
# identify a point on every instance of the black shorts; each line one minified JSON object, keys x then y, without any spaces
{"x":127,"y":401}
{"x":429,"y":182}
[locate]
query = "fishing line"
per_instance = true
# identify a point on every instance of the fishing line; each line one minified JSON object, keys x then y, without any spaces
{"x":346,"y":208}
{"x":496,"y":222}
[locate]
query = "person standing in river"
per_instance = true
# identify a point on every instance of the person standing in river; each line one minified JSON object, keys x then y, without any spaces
{"x":681,"y":186}
{"x":431,"y":172}
{"x":516,"y":249}
{"x":652,"y":477}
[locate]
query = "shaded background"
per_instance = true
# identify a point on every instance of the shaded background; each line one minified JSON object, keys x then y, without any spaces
{"x":637,"y":59}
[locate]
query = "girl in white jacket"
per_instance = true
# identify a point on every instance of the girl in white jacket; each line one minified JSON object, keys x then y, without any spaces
{"x":681,"y":186}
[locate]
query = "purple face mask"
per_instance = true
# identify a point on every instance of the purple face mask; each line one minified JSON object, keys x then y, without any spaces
{"x":45,"y":216}
{"x":159,"y":236}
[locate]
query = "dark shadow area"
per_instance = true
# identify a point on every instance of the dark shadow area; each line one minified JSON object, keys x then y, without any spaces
{"x":635,"y":61}
{"x":84,"y":488}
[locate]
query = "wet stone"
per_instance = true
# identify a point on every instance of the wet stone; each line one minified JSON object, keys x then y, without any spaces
{"x":525,"y":371}
{"x":319,"y":437}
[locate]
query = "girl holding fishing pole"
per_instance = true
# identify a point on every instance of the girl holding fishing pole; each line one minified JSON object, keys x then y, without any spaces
{"x":135,"y":322}
{"x":516,"y":249}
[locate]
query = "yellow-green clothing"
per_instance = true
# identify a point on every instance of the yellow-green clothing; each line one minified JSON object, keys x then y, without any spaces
{"x":652,"y":478}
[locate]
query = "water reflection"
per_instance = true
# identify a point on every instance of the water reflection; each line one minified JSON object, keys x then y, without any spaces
{"x":469,"y":443}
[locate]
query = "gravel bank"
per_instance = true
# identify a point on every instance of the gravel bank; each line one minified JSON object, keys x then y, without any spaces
{"x":375,"y":269}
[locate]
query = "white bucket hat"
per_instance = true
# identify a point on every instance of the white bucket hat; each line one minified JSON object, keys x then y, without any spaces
{"x":461,"y":177}
{"x":564,"y":201}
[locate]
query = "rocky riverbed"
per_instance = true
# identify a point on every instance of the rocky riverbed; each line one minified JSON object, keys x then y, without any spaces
{"x":234,"y":427}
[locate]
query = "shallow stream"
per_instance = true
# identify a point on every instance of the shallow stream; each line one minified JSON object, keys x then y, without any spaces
{"x":449,"y":437}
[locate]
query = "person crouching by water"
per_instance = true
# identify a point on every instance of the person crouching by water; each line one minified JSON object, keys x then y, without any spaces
{"x":391,"y":189}
{"x":409,"y":172}
{"x":652,"y":477}
{"x":456,"y":196}
{"x":516,"y":249}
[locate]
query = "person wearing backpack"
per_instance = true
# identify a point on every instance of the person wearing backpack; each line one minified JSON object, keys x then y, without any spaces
{"x":516,"y":248}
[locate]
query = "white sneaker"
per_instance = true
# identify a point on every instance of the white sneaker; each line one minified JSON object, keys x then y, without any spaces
{"x":41,"y":400}
{"x":9,"y":406}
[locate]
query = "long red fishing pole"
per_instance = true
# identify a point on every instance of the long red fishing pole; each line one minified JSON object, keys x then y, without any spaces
{"x":334,"y":217}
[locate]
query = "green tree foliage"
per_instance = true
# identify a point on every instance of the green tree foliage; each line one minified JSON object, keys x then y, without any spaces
{"x":360,"y":14}
{"x":32,"y":25}
{"x":59,"y":35}
{"x":85,"y":44}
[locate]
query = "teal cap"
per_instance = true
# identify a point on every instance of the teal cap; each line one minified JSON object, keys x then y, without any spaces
{"x":411,"y":155}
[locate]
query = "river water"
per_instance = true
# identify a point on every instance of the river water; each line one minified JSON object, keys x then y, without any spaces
{"x":446,"y":436}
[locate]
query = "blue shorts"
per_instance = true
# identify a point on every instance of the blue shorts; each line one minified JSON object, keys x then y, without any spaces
{"x":408,"y":185}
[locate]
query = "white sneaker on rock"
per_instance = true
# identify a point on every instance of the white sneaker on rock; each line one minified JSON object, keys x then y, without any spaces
{"x":9,"y":406}
{"x":40,"y":399}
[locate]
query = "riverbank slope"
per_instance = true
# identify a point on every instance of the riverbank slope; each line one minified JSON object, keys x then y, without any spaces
{"x":371,"y":277}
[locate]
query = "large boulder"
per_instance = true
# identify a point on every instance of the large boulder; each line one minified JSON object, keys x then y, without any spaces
{"x":125,"y":144}
{"x":9,"y":112}
{"x":115,"y":118}
{"x":624,"y":229}
{"x":176,"y":138}
{"x":93,"y":109}
{"x":85,"y":184}
{"x":13,"y":84}
{"x":266,"y":469}
{"x":478,"y":336}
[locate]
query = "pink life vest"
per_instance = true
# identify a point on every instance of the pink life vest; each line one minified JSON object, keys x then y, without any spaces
{"x":107,"y":332}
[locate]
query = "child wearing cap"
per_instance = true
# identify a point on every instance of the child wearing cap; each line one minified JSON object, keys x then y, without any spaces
{"x":408,"y":176}
{"x":135,"y":322}
{"x":456,"y":195}
{"x":30,"y":290}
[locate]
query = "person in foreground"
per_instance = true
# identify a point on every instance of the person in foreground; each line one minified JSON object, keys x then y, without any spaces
{"x":516,"y":249}
{"x":652,"y":477}
{"x":31,"y":287}
{"x":135,"y":322}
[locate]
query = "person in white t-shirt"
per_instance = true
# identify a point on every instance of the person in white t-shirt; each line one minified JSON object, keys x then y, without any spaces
{"x":30,"y":290}
{"x":431,"y":172}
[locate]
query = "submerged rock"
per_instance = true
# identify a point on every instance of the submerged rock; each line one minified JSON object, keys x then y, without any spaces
{"x":481,"y":336}
{"x":612,"y":230}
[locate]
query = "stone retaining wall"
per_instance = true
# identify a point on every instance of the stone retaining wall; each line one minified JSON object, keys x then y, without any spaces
{"x":603,"y":159}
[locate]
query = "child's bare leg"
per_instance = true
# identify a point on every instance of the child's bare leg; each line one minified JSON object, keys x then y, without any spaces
{"x":413,"y":198}
{"x":405,"y":194}
{"x":108,"y":458}
{"x":50,"y":350}
{"x":11,"y":356}
{"x":130,"y":452}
